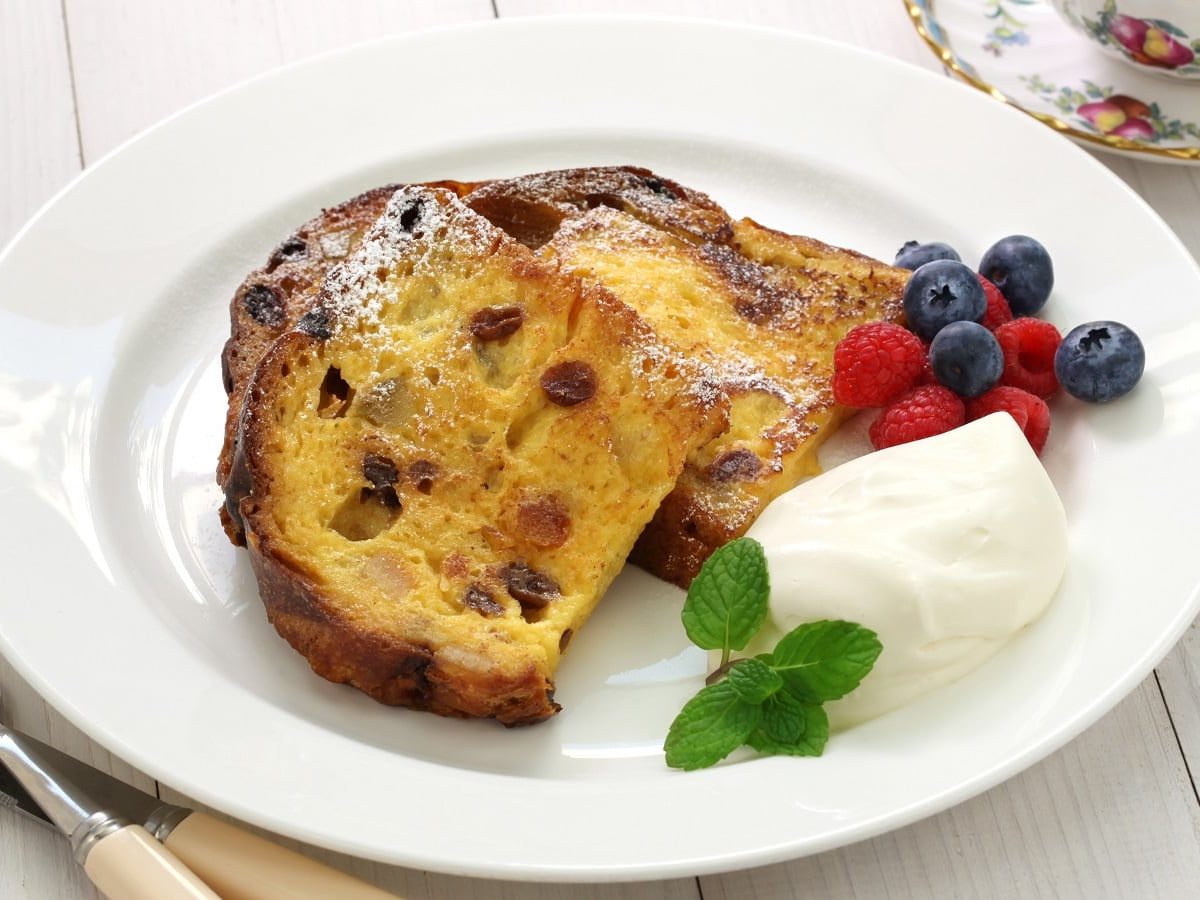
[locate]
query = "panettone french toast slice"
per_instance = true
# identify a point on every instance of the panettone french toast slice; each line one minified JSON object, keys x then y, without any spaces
{"x":450,"y":458}
{"x":272,"y":298}
{"x":764,"y":309}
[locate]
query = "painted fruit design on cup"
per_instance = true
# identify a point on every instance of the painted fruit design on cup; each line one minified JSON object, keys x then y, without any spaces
{"x":1150,"y":43}
{"x":1119,"y":114}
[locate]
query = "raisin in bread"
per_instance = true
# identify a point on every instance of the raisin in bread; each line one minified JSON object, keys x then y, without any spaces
{"x":272,"y":298}
{"x":762,"y":308}
{"x":449,"y":459}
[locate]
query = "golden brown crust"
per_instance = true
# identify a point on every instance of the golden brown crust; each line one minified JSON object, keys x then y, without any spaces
{"x":389,"y":669}
{"x":531,"y":208}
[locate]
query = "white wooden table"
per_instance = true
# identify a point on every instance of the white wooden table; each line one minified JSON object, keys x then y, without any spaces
{"x":1114,"y":814}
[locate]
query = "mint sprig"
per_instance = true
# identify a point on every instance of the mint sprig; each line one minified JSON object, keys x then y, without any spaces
{"x":772,"y":701}
{"x":753,"y":680}
{"x":727,"y":602}
{"x":790,"y":727}
{"x":712,"y":725}
{"x":825,"y":660}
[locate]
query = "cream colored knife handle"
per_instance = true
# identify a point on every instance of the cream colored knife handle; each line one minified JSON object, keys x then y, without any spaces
{"x":130,"y":865}
{"x":243,"y":866}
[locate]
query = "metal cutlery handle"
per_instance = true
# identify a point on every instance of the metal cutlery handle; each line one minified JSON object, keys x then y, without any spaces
{"x":243,"y":866}
{"x":128,"y":864}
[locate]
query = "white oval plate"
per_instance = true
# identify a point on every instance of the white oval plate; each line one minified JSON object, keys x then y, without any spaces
{"x":127,"y":608}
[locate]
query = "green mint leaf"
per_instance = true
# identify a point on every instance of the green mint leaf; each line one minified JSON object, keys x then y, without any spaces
{"x":790,"y":727}
{"x":825,"y":660}
{"x":753,"y":680}
{"x":712,"y":725}
{"x":727,"y":601}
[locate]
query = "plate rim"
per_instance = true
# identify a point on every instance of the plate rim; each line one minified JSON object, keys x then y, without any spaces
{"x":1062,"y":733}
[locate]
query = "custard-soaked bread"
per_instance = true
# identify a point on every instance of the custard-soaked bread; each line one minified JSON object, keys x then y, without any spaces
{"x":450,"y":458}
{"x":765,"y":311}
{"x":273,"y":297}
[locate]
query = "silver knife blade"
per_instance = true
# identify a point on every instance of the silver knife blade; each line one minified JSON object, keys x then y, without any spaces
{"x":112,"y":794}
{"x":16,"y":798}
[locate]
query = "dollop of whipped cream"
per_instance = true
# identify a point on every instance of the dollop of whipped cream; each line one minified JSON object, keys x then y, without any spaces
{"x":945,"y":547}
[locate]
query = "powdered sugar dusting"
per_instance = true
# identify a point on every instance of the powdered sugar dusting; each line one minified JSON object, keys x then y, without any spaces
{"x":707,"y":390}
{"x":336,"y":244}
{"x":759,"y":302}
{"x":415,"y":221}
{"x":703,"y":386}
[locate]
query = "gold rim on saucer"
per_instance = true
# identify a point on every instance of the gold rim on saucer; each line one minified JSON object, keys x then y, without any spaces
{"x":1110,"y":141}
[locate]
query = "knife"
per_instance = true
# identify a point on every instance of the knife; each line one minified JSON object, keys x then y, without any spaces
{"x":236,"y":864}
{"x":120,"y":858}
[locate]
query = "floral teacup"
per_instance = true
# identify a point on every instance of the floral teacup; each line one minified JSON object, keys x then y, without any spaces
{"x":1161,"y":36}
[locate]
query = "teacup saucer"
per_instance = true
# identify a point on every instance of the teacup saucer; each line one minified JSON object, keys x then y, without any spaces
{"x":1022,"y":53}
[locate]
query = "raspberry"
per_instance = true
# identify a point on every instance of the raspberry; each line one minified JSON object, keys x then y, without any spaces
{"x":1030,"y":413}
{"x":922,"y":412}
{"x":1029,"y":346}
{"x":876,"y":363}
{"x":998,"y":311}
{"x":927,"y":376}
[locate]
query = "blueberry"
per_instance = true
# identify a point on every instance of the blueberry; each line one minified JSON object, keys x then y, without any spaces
{"x":941,"y":292}
{"x":914,"y":254}
{"x":1099,"y":361}
{"x":1021,"y":268}
{"x":966,"y":358}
